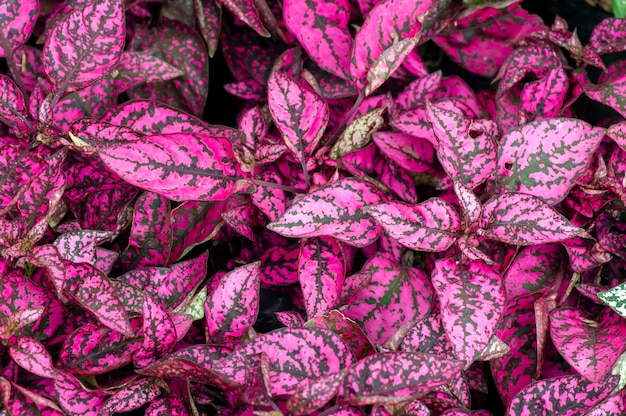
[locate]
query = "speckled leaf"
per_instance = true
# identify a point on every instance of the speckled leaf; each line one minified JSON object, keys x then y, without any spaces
{"x":357,"y":135}
{"x":394,"y":377}
{"x":483,"y":36}
{"x":13,"y":109}
{"x":347,"y":329}
{"x":80,"y":246}
{"x":611,"y":406}
{"x":398,"y":179}
{"x":546,"y":157}
{"x":233,"y":306}
{"x":132,"y":396}
{"x":321,"y":270}
{"x":85,"y":46}
{"x":209,"y":19}
{"x":465,"y":147}
{"x":419,"y":90}
{"x":590,"y":346}
{"x":183,"y":48}
{"x":75,"y":399}
{"x":321,"y":27}
{"x":387,"y":24}
{"x":93,"y":290}
{"x":93,"y":349}
{"x":270,"y":200}
{"x":429,"y":226}
{"x":428,"y":335}
{"x":295,"y":356}
{"x":32,"y":356}
{"x":279,"y":266}
{"x":299,"y":113}
{"x":159,"y":333}
{"x":170,"y":406}
{"x":388,"y":62}
{"x":193,"y":223}
{"x":472,"y":301}
{"x":17,"y":20}
{"x":181,"y":166}
{"x":607,"y":36}
{"x":152,"y":117}
{"x":470,"y":204}
{"x":393,"y":297}
{"x":534,"y":270}
{"x":412,"y":153}
{"x":169,"y":285}
{"x":136,"y":68}
{"x":522,"y":219}
{"x":246,"y":11}
{"x":567,"y":396}
{"x":615,"y":298}
{"x":335,"y":210}
{"x":315,"y":394}
{"x":150,"y":240}
{"x":617,"y":132}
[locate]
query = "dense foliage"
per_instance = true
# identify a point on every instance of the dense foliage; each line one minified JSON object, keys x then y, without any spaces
{"x":374,"y":236}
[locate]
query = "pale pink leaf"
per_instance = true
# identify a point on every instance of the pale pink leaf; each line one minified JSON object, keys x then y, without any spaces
{"x":32,"y":356}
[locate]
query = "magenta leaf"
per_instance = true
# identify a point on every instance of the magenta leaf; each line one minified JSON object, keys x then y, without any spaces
{"x":170,"y":406}
{"x":80,"y":246}
{"x":85,"y":46}
{"x":193,"y":223}
{"x":347,"y":329}
{"x":567,"y":396}
{"x":321,"y":269}
{"x":93,"y":349}
{"x":335,"y":210}
{"x":428,"y":335}
{"x":233,"y":306}
{"x":315,"y":394}
{"x":389,"y":378}
{"x":132,"y":396}
{"x":32,"y":356}
{"x":472,"y":301}
{"x":321,"y":27}
{"x":388,"y":23}
{"x":182,"y":48}
{"x":430,"y":226}
{"x":13,"y":109}
{"x":246,"y":10}
{"x":296,"y":356}
{"x":165,"y":164}
{"x":299,"y":113}
{"x":388,"y":62}
{"x":279,"y":266}
{"x":150,"y":238}
{"x":465,"y":147}
{"x":546,"y":157}
{"x":93,"y":290}
{"x":534,"y":270}
{"x":522,"y":219}
{"x":77,"y":400}
{"x":590,"y":346}
{"x":136,"y":68}
{"x":411,"y":153}
{"x":393,"y":297}
{"x":415,"y":93}
{"x":209,"y":19}
{"x":159,"y":333}
{"x":17,"y":20}
{"x":606,"y":36}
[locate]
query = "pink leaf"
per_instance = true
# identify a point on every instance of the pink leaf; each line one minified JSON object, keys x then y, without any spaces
{"x":472,"y":301}
{"x":136,"y":68}
{"x":94,"y":292}
{"x":85,"y":46}
{"x":17,"y":20}
{"x":471,"y":205}
{"x":393,"y":297}
{"x":546,"y":157}
{"x":389,"y":378}
{"x":388,"y":62}
{"x":233,"y":306}
{"x":246,"y":11}
{"x":347,"y":329}
{"x":429,"y":226}
{"x":193,"y":223}
{"x":357,"y":134}
{"x":522,"y":219}
{"x":428,"y":335}
{"x":32,"y":356}
{"x":567,"y":396}
{"x":387,"y":24}
{"x":534,"y":270}
{"x":415,"y":93}
{"x":321,"y":270}
{"x":159,"y":333}
{"x":132,"y":396}
{"x":322,"y":29}
{"x":75,"y":399}
{"x":465,"y":147}
{"x":335,"y":210}
{"x":607,"y":36}
{"x":299,"y":113}
{"x":617,"y":132}
{"x":13,"y":109}
{"x":170,"y":406}
{"x":413,"y":154}
{"x":315,"y":394}
{"x":209,"y":18}
{"x":279,"y":266}
{"x":590,"y":346}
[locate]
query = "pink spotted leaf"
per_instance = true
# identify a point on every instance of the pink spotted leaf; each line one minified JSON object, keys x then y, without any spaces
{"x":388,"y":62}
{"x":393,"y":297}
{"x":411,"y":153}
{"x":465,"y":147}
{"x":193,"y":223}
{"x":347,"y":329}
{"x":357,"y":134}
{"x":522,"y":219}
{"x":534,"y":270}
{"x":429,"y":226}
{"x":389,"y":378}
{"x":77,"y":53}
{"x":80,"y":246}
{"x":75,"y":399}
{"x":419,"y":90}
{"x":470,"y":204}
{"x":322,"y":29}
{"x":209,"y":19}
{"x":170,"y":406}
{"x":279,"y":266}
{"x":472,"y":301}
{"x":617,"y":132}
{"x":32,"y":356}
{"x":333,"y":210}
{"x":159,"y":333}
{"x":321,"y":270}
{"x":17,"y":21}
{"x":315,"y":394}
{"x":590,"y":346}
{"x":132,"y":396}
{"x":567,"y":396}
{"x":93,"y":290}
{"x":136,"y":68}
{"x":607,"y":36}
{"x":247,"y":12}
{"x":13,"y":109}
{"x":546,"y":157}
{"x":233,"y":306}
